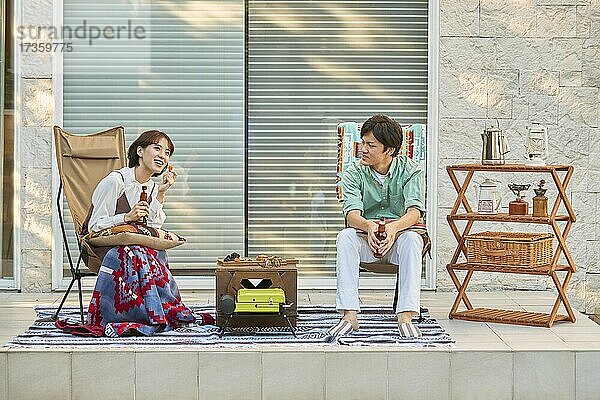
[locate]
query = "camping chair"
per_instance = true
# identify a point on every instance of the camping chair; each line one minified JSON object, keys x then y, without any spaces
{"x":83,"y":160}
{"x":413,"y":146}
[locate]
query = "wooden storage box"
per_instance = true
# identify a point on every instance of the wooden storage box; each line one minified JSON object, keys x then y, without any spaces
{"x":509,"y":249}
{"x":232,"y":276}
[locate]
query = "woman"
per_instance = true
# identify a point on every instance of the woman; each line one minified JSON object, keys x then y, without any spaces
{"x":135,"y":291}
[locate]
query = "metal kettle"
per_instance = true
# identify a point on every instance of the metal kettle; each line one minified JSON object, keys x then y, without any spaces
{"x":495,"y":146}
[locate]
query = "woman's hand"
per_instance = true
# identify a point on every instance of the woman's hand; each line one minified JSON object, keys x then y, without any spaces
{"x":167,"y":180}
{"x":139,"y":210}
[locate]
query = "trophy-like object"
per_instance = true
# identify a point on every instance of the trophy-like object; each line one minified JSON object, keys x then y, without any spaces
{"x":537,"y":144}
{"x":518,"y":206}
{"x":540,"y":201}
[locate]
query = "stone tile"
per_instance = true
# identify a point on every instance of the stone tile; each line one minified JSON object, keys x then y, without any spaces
{"x":36,"y":65}
{"x":495,"y":345}
{"x":543,"y":109}
{"x":590,"y":58}
{"x":583,"y":346}
{"x":150,"y":370}
{"x":503,"y":81}
{"x":507,"y":19}
{"x":36,"y":147}
{"x":560,"y":2}
{"x":481,"y":52}
{"x":461,"y":138}
{"x":544,"y":375}
{"x":462,"y":93}
{"x":36,"y":279}
{"x":557,"y":21}
{"x":541,"y":82}
{"x":35,"y":375}
{"x":417,"y":383}
{"x":459,"y":18}
{"x":533,"y":345}
{"x":218,"y":368}
{"x":567,"y":54}
{"x":587,"y":384}
{"x":114,"y":378}
{"x":363,"y":378}
{"x":470,"y":372}
{"x":293,"y":375}
{"x":579,"y":337}
{"x":38,"y":102}
{"x":499,"y":105}
{"x":3,"y":374}
{"x":583,"y":21}
{"x":525,"y":53}
{"x":570,"y":78}
{"x":36,"y":13}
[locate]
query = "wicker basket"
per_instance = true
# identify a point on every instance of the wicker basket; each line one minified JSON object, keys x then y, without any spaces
{"x":509,"y":249}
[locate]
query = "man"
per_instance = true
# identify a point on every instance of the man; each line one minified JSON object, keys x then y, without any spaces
{"x":388,"y":185}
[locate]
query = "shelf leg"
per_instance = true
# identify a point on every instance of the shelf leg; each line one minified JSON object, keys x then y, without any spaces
{"x":461,"y":296}
{"x":562,"y":297}
{"x":562,"y":194}
{"x":460,"y":238}
{"x":460,"y":189}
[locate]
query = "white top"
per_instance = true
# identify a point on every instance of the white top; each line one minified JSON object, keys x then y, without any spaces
{"x":111,"y":188}
{"x":380,"y":178}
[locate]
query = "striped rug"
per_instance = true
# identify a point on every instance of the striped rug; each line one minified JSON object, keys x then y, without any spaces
{"x":378,"y":326}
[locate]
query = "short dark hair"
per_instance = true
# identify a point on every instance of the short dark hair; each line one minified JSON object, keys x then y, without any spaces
{"x":386,"y":130}
{"x":144,"y":140}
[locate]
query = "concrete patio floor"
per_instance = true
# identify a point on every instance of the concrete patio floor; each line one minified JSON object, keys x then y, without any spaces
{"x":16,"y":314}
{"x":488,"y":361}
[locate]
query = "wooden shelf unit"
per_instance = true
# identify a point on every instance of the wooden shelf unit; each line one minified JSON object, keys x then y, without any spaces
{"x":506,"y":316}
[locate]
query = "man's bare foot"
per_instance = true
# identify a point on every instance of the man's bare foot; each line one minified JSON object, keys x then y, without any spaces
{"x":405,"y":317}
{"x":352,"y":317}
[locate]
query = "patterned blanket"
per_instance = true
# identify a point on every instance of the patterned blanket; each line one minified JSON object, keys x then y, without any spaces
{"x":378,"y":326}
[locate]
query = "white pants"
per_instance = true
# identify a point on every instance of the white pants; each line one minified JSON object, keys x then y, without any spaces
{"x":406,"y":253}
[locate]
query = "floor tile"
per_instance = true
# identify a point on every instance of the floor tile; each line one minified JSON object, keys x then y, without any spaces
{"x":103,"y":375}
{"x":230,"y":375}
{"x":290,"y":376}
{"x":179,"y":368}
{"x":587,"y":384}
{"x":356,"y":375}
{"x":472,"y":376}
{"x":3,"y":375}
{"x":419,"y":375}
{"x":35,"y":375}
{"x":544,"y":375}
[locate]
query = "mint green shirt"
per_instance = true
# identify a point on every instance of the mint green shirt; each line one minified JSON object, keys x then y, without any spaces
{"x":402,"y":188}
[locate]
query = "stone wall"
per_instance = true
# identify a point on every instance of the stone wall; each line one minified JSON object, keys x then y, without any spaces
{"x":35,"y":142}
{"x":516,"y":61}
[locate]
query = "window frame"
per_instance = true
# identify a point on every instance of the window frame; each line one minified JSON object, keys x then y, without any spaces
{"x":60,"y":282}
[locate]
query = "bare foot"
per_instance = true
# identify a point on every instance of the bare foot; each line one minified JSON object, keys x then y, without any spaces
{"x":351,"y":316}
{"x":405,"y":316}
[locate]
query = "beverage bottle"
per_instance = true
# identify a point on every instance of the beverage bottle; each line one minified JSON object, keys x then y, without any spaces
{"x":380,"y":234}
{"x":143,"y":197}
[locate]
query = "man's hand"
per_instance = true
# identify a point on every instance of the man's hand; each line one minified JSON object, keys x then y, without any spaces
{"x":139,"y":210}
{"x":386,"y":244}
{"x":374,"y":243}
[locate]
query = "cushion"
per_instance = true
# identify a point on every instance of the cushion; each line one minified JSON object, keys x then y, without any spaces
{"x":130,"y":234}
